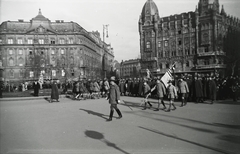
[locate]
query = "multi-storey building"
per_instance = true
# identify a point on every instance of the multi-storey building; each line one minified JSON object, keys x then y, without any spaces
{"x":193,"y":40}
{"x":51,"y":50}
{"x":130,"y":68}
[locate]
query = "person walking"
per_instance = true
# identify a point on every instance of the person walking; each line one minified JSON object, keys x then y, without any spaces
{"x":172,"y":94}
{"x":54,"y":92}
{"x":161,"y":92}
{"x":183,"y":89}
{"x":114,"y":98}
{"x":36,"y":87}
{"x":146,"y":94}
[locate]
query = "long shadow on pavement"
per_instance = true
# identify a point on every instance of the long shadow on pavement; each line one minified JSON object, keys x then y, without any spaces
{"x":182,"y":125}
{"x":96,"y":114}
{"x":99,"y":136}
{"x":136,"y":105}
{"x":191,"y":142}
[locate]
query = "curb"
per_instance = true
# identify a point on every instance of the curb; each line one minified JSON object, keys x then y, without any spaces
{"x":27,"y":98}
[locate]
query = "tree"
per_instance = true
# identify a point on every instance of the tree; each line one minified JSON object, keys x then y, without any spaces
{"x":231,"y":45}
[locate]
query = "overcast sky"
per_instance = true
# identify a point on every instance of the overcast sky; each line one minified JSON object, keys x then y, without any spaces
{"x":121,"y":15}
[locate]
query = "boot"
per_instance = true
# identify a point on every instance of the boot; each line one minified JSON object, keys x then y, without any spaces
{"x":163,"y":105}
{"x":119,"y":113}
{"x":182,"y":103}
{"x":169,"y":108}
{"x":185,"y":102}
{"x":174,"y":107}
{"x":111,"y":115}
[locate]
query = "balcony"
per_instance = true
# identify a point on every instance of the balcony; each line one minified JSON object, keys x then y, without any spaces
{"x":149,"y":59}
{"x":212,"y":53}
{"x":211,"y":66}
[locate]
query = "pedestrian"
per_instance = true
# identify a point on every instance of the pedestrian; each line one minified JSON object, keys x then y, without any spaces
{"x":212,"y":89}
{"x":54,"y":92}
{"x":183,"y":90}
{"x":114,"y":98}
{"x":106,"y":87}
{"x":36,"y":87}
{"x":161,"y":92}
{"x":171,"y":94}
{"x":146,"y":94}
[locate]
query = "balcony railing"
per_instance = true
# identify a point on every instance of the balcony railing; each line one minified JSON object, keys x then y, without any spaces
{"x":211,"y":66}
{"x":149,"y":59}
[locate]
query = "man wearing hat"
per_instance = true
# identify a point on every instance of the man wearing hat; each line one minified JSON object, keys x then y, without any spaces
{"x":114,"y":98}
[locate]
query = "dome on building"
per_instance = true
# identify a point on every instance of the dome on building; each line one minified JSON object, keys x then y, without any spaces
{"x":40,"y":16}
{"x":149,"y":8}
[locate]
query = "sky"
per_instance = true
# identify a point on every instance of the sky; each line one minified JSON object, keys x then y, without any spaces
{"x":122,"y":16}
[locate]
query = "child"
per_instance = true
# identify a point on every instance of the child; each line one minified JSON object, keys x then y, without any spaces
{"x":172,"y":94}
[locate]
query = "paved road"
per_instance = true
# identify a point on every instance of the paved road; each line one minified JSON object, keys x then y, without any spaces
{"x":79,"y":127}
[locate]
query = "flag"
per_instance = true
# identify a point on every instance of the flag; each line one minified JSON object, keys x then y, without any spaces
{"x":168,"y":76}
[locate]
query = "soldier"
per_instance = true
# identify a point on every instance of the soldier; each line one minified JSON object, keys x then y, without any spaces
{"x":114,"y":98}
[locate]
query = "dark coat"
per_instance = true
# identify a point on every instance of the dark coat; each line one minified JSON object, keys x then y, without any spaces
{"x":36,"y":87}
{"x":198,"y":88}
{"x":212,"y":90}
{"x":121,"y":85}
{"x":54,"y":92}
{"x":114,"y":94}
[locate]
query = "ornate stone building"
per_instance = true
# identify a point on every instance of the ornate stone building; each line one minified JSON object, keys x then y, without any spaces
{"x":130,"y":68}
{"x":51,"y":50}
{"x":194,"y":40}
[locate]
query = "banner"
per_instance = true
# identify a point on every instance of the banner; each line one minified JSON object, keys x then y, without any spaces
{"x":168,"y":76}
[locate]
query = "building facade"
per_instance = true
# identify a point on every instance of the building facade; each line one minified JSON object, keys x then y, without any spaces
{"x":193,"y":40}
{"x":51,"y":50}
{"x":130,"y":68}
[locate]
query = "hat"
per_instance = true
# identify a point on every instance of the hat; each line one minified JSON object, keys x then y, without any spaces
{"x":112,"y":78}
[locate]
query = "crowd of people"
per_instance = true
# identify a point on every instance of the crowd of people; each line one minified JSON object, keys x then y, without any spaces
{"x":199,"y":88}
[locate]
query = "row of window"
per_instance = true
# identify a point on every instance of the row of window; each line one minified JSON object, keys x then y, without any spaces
{"x":166,"y":43}
{"x":39,"y":41}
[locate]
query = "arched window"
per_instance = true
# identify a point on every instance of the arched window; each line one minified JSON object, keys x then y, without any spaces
{"x":11,"y":61}
{"x":20,"y":61}
{"x":63,"y":61}
{"x":148,"y":45}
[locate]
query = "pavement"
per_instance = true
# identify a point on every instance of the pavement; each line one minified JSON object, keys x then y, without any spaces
{"x":34,"y":126}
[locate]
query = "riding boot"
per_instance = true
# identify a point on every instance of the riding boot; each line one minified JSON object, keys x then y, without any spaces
{"x":111,"y":115}
{"x":119,"y":113}
{"x":169,"y":108}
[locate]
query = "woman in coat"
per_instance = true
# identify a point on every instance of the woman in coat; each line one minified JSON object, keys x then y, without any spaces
{"x":54,"y":92}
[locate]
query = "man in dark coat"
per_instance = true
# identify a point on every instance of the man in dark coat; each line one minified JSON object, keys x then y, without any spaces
{"x":198,"y":89}
{"x":36,"y":87}
{"x":54,"y":92}
{"x":114,"y":98}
